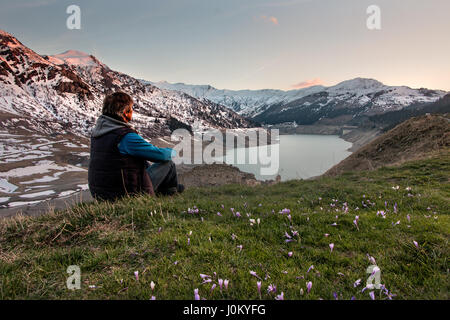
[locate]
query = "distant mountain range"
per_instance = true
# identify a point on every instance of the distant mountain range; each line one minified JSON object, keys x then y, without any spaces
{"x":338,"y":104}
{"x":245,"y":102}
{"x":63,"y":94}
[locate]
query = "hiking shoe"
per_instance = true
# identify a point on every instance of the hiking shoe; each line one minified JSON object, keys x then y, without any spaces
{"x":173,"y":190}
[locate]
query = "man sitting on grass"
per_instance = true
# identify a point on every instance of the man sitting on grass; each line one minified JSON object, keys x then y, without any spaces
{"x":118,"y":164}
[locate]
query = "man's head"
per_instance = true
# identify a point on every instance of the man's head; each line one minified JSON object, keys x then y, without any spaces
{"x":118,"y":104}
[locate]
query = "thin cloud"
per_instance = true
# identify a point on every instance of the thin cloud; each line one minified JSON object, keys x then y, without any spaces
{"x":307,"y":83}
{"x":27,"y":4}
{"x":270,"y":19}
{"x":284,"y":3}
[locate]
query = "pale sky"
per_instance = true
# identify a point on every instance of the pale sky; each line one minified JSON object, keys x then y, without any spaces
{"x":247,"y":44}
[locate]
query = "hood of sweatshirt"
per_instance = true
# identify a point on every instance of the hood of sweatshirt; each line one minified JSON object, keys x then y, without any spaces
{"x":107,"y":124}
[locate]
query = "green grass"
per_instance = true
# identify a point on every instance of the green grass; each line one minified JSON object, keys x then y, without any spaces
{"x":111,"y":241}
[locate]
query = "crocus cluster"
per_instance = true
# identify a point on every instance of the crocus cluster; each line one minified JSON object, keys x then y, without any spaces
{"x":193,"y":210}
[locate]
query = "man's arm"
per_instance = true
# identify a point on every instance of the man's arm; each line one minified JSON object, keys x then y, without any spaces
{"x":134,"y":145}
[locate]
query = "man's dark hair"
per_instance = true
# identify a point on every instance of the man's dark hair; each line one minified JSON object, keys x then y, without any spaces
{"x":116,"y":103}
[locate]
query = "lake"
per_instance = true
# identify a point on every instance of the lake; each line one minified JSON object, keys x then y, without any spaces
{"x":301,"y":156}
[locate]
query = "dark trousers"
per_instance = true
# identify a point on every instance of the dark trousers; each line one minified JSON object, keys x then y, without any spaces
{"x":163,"y":176}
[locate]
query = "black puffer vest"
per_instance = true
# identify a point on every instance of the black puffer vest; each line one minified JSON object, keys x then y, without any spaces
{"x":113,"y":175}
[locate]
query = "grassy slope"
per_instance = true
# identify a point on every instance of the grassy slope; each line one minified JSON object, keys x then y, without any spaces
{"x":111,"y":241}
{"x":413,"y":139}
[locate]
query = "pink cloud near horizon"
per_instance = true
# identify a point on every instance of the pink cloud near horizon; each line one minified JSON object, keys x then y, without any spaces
{"x":307,"y":83}
{"x":270,"y":19}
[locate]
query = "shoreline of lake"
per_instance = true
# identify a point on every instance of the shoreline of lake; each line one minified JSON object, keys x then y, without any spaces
{"x":301,"y":156}
{"x":356,"y":135}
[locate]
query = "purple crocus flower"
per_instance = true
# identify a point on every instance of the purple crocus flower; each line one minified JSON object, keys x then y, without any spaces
{"x":203,"y":276}
{"x":357,"y":283}
{"x":331,"y":247}
{"x":239,"y":247}
{"x":136,"y":275}
{"x":372,"y":295}
{"x":408,"y":217}
{"x":310,"y":268}
{"x":253,"y":273}
{"x":375,"y":270}
{"x":238,"y":214}
{"x":280,"y":296}
{"x":308,"y":286}
{"x":220,"y":281}
{"x":258,"y":286}
{"x":153,"y":298}
{"x":335,"y":296}
{"x":371,"y":259}
{"x":213,"y":287}
{"x":196,"y":295}
{"x":416,"y":244}
{"x":219,"y":214}
{"x":225,"y":283}
{"x":356,"y":221}
{"x":271,"y":288}
{"x":290,"y":253}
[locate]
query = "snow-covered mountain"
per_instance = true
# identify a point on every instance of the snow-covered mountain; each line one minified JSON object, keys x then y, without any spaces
{"x":245,"y":102}
{"x":342,"y":103}
{"x":64,"y":93}
{"x":338,"y":103}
